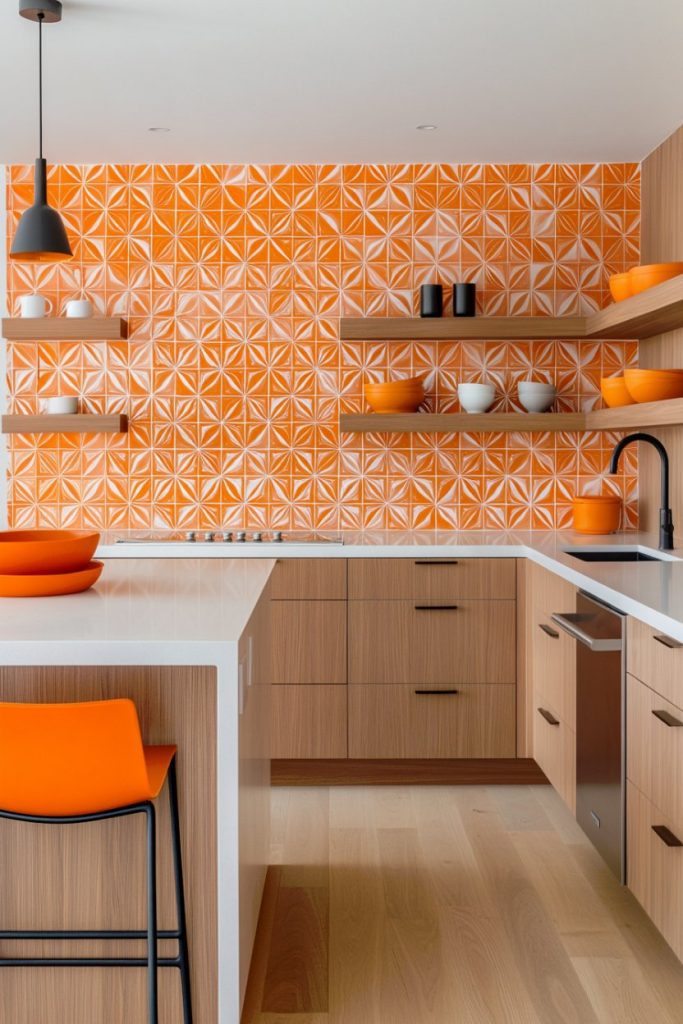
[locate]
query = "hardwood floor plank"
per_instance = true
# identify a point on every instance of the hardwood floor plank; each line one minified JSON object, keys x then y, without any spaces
{"x":306,"y":854}
{"x":619,"y":992}
{"x":297,"y":976}
{"x":519,"y":810}
{"x":253,"y":997}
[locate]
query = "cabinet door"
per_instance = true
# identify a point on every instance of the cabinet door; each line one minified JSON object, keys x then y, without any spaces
{"x":308,"y":721}
{"x":655,"y":748}
{"x":432,"y":579}
{"x":428,"y":643}
{"x":308,"y":643}
{"x":405,"y":721}
{"x":656,"y":659}
{"x":309,"y":579}
{"x":555,"y":750}
{"x":553,"y":655}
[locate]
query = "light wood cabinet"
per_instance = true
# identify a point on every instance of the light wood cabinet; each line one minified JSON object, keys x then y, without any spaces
{"x":554,"y":665}
{"x":308,"y":643}
{"x":656,"y":659}
{"x":431,"y":579}
{"x":405,"y":721}
{"x":655,"y":748}
{"x":309,"y":579}
{"x":425,"y":643}
{"x":309,"y":721}
{"x":655,"y":865}
{"x":555,"y":749}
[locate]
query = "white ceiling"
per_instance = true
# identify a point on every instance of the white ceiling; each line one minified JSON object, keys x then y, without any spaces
{"x":279,"y":81}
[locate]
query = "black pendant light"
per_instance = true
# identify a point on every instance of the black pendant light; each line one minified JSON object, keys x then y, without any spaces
{"x":40,"y":236}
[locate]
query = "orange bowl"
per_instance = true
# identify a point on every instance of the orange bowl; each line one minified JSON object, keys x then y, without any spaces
{"x":654,"y":385}
{"x":395,"y":395}
{"x":44,"y":551}
{"x":50,"y":584}
{"x":620,"y":286}
{"x":615,"y":392}
{"x":597,"y":513}
{"x":642,"y":278}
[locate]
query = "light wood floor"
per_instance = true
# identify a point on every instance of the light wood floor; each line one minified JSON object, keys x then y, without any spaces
{"x":449,"y":905}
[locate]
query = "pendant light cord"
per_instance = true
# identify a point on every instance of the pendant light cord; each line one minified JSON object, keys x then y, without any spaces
{"x":40,"y":82}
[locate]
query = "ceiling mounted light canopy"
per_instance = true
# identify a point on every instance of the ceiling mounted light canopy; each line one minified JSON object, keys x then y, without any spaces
{"x":40,"y":236}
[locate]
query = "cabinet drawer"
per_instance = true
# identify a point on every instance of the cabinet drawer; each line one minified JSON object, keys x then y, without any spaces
{"x":655,"y":748}
{"x":549,"y":592}
{"x":431,"y":578}
{"x":308,"y":642}
{"x":308,"y":721}
{"x":397,"y":721}
{"x":656,"y":660}
{"x":309,"y":579}
{"x":554,"y":666}
{"x":655,"y":869}
{"x":555,"y":750}
{"x":451,"y":642}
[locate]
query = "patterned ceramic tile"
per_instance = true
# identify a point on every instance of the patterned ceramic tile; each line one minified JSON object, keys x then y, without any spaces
{"x":234,"y":279}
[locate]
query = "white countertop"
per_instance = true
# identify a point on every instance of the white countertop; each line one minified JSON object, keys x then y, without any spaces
{"x":651,"y":591}
{"x":141,"y":611}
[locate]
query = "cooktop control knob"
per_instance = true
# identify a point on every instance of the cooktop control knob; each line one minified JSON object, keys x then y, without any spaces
{"x":210,"y":536}
{"x":277,"y":537}
{"x":241,"y":536}
{"x":227,"y":537}
{"x":256,"y":537}
{"x":191,"y":536}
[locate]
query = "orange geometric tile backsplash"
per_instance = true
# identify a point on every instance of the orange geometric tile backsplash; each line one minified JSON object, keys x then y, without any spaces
{"x":233,"y":279}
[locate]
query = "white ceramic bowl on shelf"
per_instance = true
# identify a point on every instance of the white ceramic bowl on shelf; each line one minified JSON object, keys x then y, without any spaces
{"x":476,"y":397}
{"x":536,"y":396}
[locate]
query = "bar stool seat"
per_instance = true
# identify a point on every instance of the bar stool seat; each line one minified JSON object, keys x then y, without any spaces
{"x":81,"y":762}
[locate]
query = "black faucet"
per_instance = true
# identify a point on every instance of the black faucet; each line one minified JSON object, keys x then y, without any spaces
{"x":666,"y":526}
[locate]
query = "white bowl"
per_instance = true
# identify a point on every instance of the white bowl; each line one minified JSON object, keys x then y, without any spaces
{"x":536,"y":397}
{"x":476,"y":397}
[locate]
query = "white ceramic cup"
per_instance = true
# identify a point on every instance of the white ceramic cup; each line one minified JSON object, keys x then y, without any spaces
{"x":476,"y":397}
{"x":33,"y":305}
{"x":536,"y":396}
{"x":62,"y":404}
{"x":80,"y":308}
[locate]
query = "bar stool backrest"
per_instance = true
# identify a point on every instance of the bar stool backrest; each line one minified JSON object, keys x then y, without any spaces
{"x":58,"y":760}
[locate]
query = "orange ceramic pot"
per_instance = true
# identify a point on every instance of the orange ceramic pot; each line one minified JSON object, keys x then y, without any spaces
{"x":647,"y":276}
{"x":614,"y":392}
{"x":654,"y":385}
{"x":45,"y":551}
{"x":597,"y":514}
{"x":620,"y":286}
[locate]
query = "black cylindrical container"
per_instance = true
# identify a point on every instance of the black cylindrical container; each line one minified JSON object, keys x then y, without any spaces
{"x":465,"y":299}
{"x":431,"y":300}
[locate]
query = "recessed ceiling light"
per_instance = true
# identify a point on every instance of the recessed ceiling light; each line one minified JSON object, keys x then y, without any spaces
{"x":427,"y":127}
{"x":158,"y":129}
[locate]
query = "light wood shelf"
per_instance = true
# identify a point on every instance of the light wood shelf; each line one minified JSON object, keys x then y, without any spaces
{"x":62,"y":328}
{"x":76,"y":423}
{"x":651,"y":313}
{"x":633,"y":417}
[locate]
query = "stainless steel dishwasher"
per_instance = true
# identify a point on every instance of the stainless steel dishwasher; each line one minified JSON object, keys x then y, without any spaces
{"x":600,"y":726}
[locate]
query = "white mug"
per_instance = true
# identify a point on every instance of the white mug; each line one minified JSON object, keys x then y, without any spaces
{"x":62,"y":404}
{"x":33,"y":305}
{"x":81,"y":308}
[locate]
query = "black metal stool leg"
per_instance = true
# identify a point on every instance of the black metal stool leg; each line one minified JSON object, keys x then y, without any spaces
{"x":152,"y":952}
{"x":183,"y":952}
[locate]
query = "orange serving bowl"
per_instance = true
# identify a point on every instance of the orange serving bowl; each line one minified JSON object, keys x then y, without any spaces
{"x":50,"y":584}
{"x":620,"y":286}
{"x":597,"y":513}
{"x":647,"y":276}
{"x":614,"y":392}
{"x":46,"y":551}
{"x":654,"y":385}
{"x":396,"y":395}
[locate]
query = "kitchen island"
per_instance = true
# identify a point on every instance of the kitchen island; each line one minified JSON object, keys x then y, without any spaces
{"x":187,"y":641}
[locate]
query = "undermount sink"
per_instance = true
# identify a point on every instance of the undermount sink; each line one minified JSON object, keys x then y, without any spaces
{"x":616,"y":555}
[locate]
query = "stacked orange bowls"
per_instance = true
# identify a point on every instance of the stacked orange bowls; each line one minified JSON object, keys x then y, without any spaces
{"x":45,"y":563}
{"x":639,"y":279}
{"x":654,"y":385}
{"x":614,"y":392}
{"x":395,"y":395}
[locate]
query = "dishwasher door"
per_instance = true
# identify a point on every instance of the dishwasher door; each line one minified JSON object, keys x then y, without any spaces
{"x":600,"y":726}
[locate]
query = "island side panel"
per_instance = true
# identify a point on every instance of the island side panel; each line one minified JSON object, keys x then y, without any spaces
{"x":92,"y":876}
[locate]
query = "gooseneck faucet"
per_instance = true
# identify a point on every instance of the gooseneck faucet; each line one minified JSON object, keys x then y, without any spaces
{"x":666,"y":526}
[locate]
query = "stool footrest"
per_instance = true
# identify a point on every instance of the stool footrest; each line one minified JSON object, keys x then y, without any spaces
{"x":101,"y":961}
{"x":125,"y":934}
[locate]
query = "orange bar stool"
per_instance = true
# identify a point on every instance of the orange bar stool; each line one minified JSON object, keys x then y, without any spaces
{"x":73,"y":763}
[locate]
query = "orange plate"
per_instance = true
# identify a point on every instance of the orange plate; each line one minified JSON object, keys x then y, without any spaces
{"x":45,"y":551}
{"x":50,"y":584}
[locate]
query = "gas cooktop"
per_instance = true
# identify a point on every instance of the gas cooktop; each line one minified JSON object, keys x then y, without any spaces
{"x":233,"y":537}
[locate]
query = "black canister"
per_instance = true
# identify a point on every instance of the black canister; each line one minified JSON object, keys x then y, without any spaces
{"x":465,"y":299}
{"x":431,"y":300}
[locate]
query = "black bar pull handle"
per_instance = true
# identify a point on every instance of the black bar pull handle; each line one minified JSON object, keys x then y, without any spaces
{"x":666,"y":835}
{"x":436,"y":561}
{"x":435,"y":693}
{"x":668,"y":719}
{"x":436,"y":607}
{"x":667,"y":641}
{"x":549,"y":631}
{"x":550,"y":719}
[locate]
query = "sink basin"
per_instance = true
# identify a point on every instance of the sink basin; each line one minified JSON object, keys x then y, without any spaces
{"x":616,"y":555}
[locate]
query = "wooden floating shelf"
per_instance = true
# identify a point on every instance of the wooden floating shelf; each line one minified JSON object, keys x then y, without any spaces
{"x":62,"y":328}
{"x":629,"y":417}
{"x":653,"y":312}
{"x":76,"y":423}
